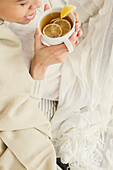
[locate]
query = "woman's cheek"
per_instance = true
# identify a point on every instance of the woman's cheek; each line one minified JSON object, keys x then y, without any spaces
{"x":20,"y":12}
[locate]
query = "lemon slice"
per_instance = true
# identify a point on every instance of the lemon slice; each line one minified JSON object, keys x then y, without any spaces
{"x":52,"y":30}
{"x":66,"y":10}
{"x":64,"y":24}
{"x":55,"y":19}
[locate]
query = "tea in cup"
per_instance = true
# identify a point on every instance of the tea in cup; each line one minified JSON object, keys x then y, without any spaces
{"x":55,"y":30}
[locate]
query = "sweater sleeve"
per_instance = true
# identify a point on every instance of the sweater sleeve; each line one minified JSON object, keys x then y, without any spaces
{"x":18,"y":110}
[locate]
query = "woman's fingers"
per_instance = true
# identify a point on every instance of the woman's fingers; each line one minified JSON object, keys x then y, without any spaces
{"x":76,"y":28}
{"x":78,"y":24}
{"x":76,"y":16}
{"x":80,"y":33}
{"x":46,"y":7}
{"x":73,"y":38}
{"x":62,"y":47}
{"x":38,"y":44}
{"x":77,"y":41}
{"x":63,"y":57}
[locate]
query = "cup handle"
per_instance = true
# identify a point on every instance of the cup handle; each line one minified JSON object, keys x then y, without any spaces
{"x":43,"y":42}
{"x":68,"y":44}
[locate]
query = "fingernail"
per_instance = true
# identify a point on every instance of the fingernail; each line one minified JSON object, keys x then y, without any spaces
{"x":37,"y":30}
{"x":77,"y":41}
{"x":76,"y":27}
{"x":46,"y":5}
{"x":76,"y":14}
{"x":78,"y":33}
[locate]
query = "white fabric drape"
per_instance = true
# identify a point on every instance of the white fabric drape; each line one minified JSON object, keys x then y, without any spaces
{"x":86,"y":95}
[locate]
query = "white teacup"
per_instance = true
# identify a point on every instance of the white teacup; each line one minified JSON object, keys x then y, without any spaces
{"x":55,"y":41}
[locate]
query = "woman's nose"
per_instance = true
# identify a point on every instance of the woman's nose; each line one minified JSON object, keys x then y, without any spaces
{"x":35,"y":4}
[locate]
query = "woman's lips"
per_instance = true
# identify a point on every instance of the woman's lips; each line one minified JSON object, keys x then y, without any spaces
{"x":31,"y":17}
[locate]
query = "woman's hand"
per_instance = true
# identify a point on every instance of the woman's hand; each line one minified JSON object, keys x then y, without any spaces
{"x":77,"y":27}
{"x":45,"y":56}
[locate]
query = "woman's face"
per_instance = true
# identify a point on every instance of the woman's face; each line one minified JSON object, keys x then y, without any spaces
{"x":19,"y":11}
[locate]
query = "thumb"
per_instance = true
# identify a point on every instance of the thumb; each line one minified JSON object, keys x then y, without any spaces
{"x":46,"y":7}
{"x":37,"y":40}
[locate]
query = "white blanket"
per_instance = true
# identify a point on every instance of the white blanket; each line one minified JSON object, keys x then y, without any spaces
{"x":85,"y":94}
{"x":86,"y":90}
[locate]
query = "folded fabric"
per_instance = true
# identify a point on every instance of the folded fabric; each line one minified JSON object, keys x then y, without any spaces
{"x":25,"y":134}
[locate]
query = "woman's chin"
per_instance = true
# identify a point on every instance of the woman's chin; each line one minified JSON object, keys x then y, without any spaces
{"x":23,"y":22}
